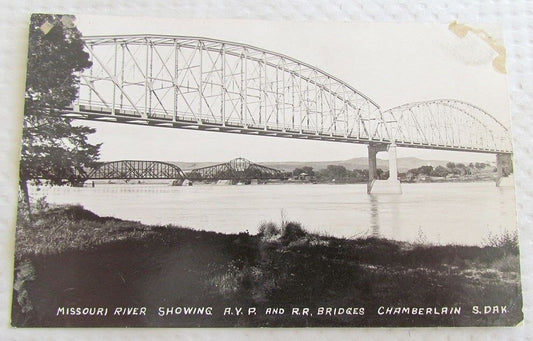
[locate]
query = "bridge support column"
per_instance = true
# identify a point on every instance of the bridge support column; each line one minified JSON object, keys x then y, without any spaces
{"x":392,"y":184}
{"x":373,"y":150}
{"x":504,"y":167}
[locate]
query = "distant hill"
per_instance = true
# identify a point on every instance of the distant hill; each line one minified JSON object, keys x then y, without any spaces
{"x":404,"y":164}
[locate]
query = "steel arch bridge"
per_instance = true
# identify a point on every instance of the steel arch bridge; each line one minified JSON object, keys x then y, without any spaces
{"x":209,"y":84}
{"x":135,"y":169}
{"x":238,"y":169}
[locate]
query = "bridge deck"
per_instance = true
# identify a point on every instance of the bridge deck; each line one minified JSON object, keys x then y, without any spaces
{"x":103,"y":114}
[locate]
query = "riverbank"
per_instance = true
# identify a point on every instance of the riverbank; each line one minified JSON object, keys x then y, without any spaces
{"x":68,"y":257}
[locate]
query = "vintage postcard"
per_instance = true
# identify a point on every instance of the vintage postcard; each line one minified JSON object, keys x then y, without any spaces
{"x":238,"y":173}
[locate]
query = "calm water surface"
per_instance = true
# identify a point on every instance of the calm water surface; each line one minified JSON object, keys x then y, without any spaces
{"x":460,"y":213}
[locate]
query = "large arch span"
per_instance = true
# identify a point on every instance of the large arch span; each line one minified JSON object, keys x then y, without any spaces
{"x":203,"y":83}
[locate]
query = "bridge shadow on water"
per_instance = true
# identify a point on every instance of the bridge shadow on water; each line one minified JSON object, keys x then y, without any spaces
{"x":384,"y":205}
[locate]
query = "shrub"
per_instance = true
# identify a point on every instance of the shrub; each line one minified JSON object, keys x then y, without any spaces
{"x":227,"y":283}
{"x":292,"y":231}
{"x":508,"y":263}
{"x":236,"y":280}
{"x":507,"y":241}
{"x":269,"y":230}
{"x":41,"y":204}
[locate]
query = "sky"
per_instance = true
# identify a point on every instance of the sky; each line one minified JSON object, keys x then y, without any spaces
{"x":393,"y":64}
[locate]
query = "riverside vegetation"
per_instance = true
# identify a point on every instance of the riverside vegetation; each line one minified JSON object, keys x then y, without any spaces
{"x":452,"y":172}
{"x":67,"y":256}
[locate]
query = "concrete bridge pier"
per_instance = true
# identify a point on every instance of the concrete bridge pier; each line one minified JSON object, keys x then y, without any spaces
{"x":392,"y":184}
{"x":504,"y":167}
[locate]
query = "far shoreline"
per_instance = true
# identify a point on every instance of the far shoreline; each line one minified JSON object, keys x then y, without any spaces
{"x":285,"y":182}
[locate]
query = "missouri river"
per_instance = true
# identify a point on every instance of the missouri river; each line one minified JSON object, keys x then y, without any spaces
{"x":440,"y":213}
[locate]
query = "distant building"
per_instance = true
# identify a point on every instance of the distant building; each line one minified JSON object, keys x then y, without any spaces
{"x":304,"y":177}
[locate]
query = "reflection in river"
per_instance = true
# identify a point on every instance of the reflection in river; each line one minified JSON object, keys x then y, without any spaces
{"x":464,"y":213}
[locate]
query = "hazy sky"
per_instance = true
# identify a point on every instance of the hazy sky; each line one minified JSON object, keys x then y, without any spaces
{"x":392,"y":64}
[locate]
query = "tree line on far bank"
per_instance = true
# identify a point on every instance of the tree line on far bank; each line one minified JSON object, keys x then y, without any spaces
{"x":340,"y":174}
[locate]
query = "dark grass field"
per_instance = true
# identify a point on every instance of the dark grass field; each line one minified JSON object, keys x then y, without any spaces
{"x":69,"y":257}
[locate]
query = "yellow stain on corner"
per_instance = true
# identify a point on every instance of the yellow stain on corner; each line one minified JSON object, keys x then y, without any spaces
{"x":461,"y":30}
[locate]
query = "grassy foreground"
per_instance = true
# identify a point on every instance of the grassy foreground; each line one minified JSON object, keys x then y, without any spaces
{"x":70,"y":257}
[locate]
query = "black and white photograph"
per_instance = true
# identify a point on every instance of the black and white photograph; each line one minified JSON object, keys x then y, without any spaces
{"x":251,"y":173}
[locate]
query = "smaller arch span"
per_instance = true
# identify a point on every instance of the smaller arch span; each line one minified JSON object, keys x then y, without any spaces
{"x":446,"y":124}
{"x":136,"y":169}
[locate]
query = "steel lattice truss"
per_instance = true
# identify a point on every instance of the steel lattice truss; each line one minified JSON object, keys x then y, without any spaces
{"x":446,"y":124}
{"x":202,"y":83}
{"x":208,"y":84}
{"x":131,"y":169}
{"x":237,"y":170}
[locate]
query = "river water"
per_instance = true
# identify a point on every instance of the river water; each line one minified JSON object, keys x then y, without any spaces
{"x":440,"y":213}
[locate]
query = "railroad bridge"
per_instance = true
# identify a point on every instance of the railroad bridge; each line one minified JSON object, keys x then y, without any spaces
{"x":236,"y":170}
{"x":134,"y":170}
{"x":214,"y":85}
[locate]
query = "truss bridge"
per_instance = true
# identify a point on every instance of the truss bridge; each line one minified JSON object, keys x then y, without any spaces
{"x":236,"y":170}
{"x":135,"y":170}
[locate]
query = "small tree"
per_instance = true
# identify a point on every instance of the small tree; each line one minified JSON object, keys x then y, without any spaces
{"x":308,"y":170}
{"x":480,"y":165}
{"x":53,"y":150}
{"x":440,"y":171}
{"x":336,"y":172}
{"x":426,"y":170}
